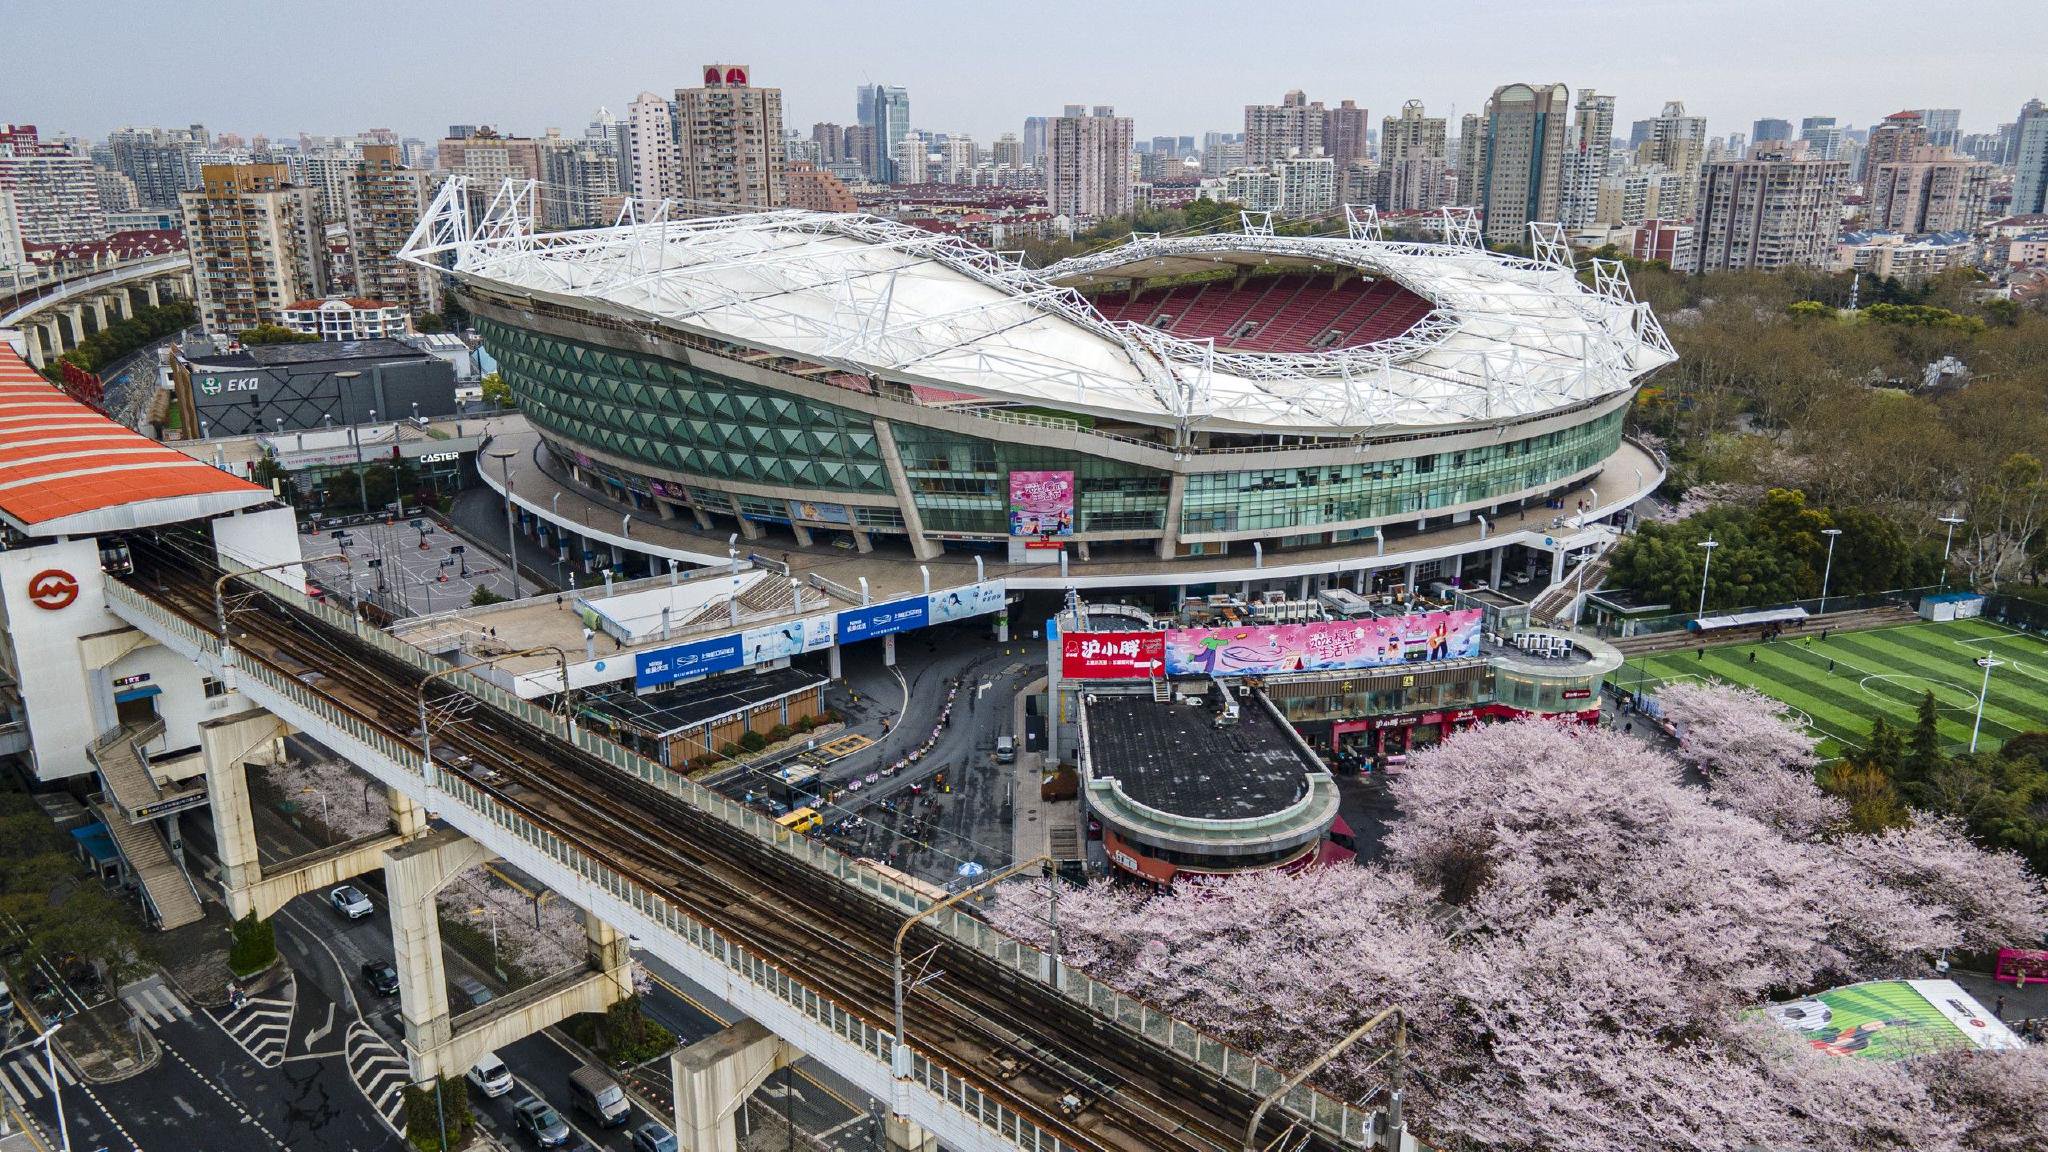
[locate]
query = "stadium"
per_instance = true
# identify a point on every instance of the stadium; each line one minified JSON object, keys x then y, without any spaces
{"x":1159,"y":405}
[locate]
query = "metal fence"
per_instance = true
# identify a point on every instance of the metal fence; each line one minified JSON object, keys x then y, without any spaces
{"x":1676,"y":621}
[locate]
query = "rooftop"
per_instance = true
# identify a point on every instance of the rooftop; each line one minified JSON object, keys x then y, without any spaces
{"x":665,"y":713}
{"x":1172,"y":757}
{"x":65,"y":469}
{"x":306,"y":352}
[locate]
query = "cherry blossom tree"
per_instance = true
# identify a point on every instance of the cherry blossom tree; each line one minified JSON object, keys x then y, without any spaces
{"x":1577,"y":935}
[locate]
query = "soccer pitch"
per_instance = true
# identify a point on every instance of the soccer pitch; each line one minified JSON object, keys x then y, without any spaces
{"x":1883,"y":672}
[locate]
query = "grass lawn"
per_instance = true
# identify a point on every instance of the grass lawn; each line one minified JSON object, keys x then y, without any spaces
{"x":1878,"y":673}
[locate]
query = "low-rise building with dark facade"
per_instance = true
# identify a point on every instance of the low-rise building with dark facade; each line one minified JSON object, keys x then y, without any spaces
{"x":271,"y":388}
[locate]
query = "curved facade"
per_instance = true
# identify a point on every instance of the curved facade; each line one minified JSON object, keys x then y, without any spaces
{"x":840,"y":373}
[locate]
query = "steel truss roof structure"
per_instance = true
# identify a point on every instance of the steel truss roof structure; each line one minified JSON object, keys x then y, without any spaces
{"x":1507,"y":338}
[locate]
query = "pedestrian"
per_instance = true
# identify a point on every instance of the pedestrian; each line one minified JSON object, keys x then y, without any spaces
{"x":1703,"y":651}
{"x":1831,"y":667}
{"x":1752,"y":655}
{"x":1628,"y":726}
{"x":1998,"y":1009}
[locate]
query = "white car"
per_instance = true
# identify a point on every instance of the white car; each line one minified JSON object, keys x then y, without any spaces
{"x":490,"y":1076}
{"x":350,"y":902}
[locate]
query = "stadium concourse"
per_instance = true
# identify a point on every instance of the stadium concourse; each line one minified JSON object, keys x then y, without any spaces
{"x":1243,"y":412}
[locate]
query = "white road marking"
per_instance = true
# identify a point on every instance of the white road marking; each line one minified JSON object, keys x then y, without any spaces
{"x":320,"y":1033}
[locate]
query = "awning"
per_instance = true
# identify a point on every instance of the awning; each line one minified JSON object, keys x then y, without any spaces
{"x":143,"y":692}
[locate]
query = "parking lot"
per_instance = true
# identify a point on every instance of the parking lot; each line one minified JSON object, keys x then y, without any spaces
{"x":411,"y":567}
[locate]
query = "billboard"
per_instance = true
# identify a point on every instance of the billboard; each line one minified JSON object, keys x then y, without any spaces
{"x":1041,"y":503}
{"x":660,"y":666}
{"x":971,"y":600}
{"x":1112,"y":655}
{"x":790,"y":638}
{"x":1326,"y":645}
{"x":1892,"y":1020}
{"x":871,"y":620}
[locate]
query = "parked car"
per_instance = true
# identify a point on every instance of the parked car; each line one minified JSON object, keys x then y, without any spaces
{"x":543,"y":1125}
{"x":350,"y":901}
{"x":381,"y":977}
{"x":653,"y":1137}
{"x":490,"y":1076}
{"x":471,"y":991}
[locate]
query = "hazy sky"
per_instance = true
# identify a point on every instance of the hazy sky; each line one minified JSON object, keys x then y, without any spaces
{"x":1180,"y":68}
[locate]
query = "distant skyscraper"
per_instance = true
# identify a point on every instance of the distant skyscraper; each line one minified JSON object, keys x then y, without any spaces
{"x":651,"y":169}
{"x":1523,"y":179}
{"x":730,"y":139}
{"x":1089,"y":169}
{"x":159,"y":160}
{"x":1037,"y":130}
{"x":887,"y":111}
{"x":1586,"y":162}
{"x":1768,"y":131}
{"x":1894,"y":139}
{"x":255,"y":245}
{"x":1273,"y":132}
{"x":1412,"y":161}
{"x":56,"y":194}
{"x":386,"y":200}
{"x":1944,"y":126}
{"x":1823,"y":137}
{"x":577,"y":178}
{"x":1679,"y":143}
{"x":2030,"y":150}
{"x":1345,"y":136}
{"x":1471,"y":160}
{"x":1779,"y":208}
{"x":1007,"y":150}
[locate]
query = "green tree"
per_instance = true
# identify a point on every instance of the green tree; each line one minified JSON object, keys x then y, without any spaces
{"x":496,"y":392}
{"x":252,"y":946}
{"x":1923,"y":749}
{"x":484,"y":596}
{"x":1874,"y":804}
{"x":275,"y":334}
{"x":431,"y":1110}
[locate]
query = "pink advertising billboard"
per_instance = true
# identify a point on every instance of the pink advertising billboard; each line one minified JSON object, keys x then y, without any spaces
{"x":1041,"y":503}
{"x":1326,"y":645}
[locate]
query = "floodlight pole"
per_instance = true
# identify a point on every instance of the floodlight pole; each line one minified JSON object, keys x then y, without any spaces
{"x":1829,"y":569}
{"x":1709,"y":544}
{"x":1987,"y":663}
{"x":1947,"y":542}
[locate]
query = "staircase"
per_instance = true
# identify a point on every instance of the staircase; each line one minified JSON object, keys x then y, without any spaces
{"x":165,"y":888}
{"x":1162,"y":690}
{"x":1556,"y":599}
{"x":126,"y":776}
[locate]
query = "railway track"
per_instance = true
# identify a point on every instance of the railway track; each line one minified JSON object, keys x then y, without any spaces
{"x":1020,"y":1041}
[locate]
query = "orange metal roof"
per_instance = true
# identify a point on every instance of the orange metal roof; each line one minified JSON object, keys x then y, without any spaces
{"x":66,"y":469}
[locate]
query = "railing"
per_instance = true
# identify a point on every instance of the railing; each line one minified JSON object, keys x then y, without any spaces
{"x":1337,"y":1119}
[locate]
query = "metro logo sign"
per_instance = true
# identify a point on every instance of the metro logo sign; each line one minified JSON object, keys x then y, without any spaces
{"x":52,"y":588}
{"x":1112,"y":655}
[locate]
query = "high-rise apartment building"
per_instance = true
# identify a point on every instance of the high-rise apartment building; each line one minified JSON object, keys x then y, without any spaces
{"x":1895,"y":138}
{"x":959,"y":153}
{"x":1769,"y":131}
{"x":1781,"y":207}
{"x":328,"y":174}
{"x":1944,"y":127}
{"x":1643,"y":192}
{"x":1678,"y":143}
{"x":1089,"y":163}
{"x":1346,"y":134}
{"x":1585,"y":163}
{"x":1471,"y":160}
{"x":117,"y":192}
{"x":56,"y":193}
{"x":254,"y":243}
{"x":1928,"y":190}
{"x":2030,"y":159}
{"x":577,"y":178}
{"x":160,"y":161}
{"x":1308,"y":187}
{"x":385,"y":202}
{"x":912,"y":162}
{"x":731,"y":139}
{"x":13,"y":257}
{"x":1007,"y":151}
{"x":488,"y":159}
{"x":1412,"y":161}
{"x":816,"y":190}
{"x":651,"y":170}
{"x":1273,"y":132}
{"x":831,"y":142}
{"x":1037,"y":131}
{"x":1523,"y":177}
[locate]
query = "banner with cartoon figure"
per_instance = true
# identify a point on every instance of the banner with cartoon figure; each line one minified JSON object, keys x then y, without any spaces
{"x":1041,"y":503}
{"x":1326,"y":645}
{"x":1892,"y":1020}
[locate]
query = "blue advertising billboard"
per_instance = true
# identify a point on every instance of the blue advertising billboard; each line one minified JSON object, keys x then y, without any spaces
{"x":871,"y":620}
{"x":676,"y":662}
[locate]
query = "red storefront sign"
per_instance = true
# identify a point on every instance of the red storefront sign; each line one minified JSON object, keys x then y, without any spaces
{"x":1112,"y":655}
{"x":1577,"y":694}
{"x":2017,"y":963}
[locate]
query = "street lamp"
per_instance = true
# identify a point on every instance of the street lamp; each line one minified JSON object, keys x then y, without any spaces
{"x":1951,"y":520}
{"x":1987,"y":663}
{"x":504,"y":458}
{"x":56,"y":1090}
{"x":1829,"y":568}
{"x":1709,"y":544}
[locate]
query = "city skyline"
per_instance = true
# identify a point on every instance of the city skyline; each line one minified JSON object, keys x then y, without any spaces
{"x":1854,"y":65}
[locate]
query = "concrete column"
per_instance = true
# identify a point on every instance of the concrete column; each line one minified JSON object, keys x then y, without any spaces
{"x":407,"y":818}
{"x":889,"y":650}
{"x":412,"y":874}
{"x":608,"y":949}
{"x":124,"y":303}
{"x":226,"y":746}
{"x":74,"y":312}
{"x":1003,"y":627}
{"x":832,"y":662}
{"x":713,"y":1078}
{"x":664,"y":509}
{"x":1408,"y":576}
{"x":149,"y":293}
{"x":53,"y":337}
{"x":748,"y":529}
{"x":1358,"y":581}
{"x":1304,"y":589}
{"x":861,"y":543}
{"x":98,"y":304}
{"x":803,"y":535}
{"x":1176,"y":495}
{"x":908,"y":1135}
{"x":906,"y":501}
{"x":1557,"y":565}
{"x":1499,"y":554}
{"x":703,"y":518}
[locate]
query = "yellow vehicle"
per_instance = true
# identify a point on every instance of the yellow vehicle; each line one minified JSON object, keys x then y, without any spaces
{"x":801,"y":820}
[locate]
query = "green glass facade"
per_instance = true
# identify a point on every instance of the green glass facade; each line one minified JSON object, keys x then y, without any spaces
{"x":681,"y":418}
{"x":702,"y":424}
{"x":1281,"y":500}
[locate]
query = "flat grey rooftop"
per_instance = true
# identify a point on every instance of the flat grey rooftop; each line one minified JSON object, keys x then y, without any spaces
{"x":1172,"y":757}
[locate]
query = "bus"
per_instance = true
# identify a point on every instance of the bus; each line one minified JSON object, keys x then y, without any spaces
{"x":801,"y":820}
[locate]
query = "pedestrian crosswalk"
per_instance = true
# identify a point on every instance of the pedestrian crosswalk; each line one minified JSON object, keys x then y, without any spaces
{"x":26,"y":1076}
{"x":154,"y":1004}
{"x":380,"y":1072}
{"x":262,"y":1026}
